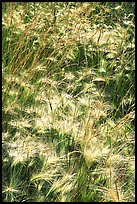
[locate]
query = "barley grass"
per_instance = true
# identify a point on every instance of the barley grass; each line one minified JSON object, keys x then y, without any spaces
{"x":68,"y":98}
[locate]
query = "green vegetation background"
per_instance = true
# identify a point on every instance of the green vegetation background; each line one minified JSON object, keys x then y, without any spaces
{"x":68,"y":97}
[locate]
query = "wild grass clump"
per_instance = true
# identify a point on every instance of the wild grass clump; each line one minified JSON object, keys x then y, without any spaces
{"x":68,"y":77}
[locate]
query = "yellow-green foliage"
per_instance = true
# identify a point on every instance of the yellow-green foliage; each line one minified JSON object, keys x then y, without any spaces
{"x":68,"y":96}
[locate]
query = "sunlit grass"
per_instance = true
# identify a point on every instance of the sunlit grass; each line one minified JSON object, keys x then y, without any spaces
{"x":68,"y":102}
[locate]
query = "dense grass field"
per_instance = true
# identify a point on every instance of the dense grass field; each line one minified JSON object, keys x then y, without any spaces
{"x":68,"y":99}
